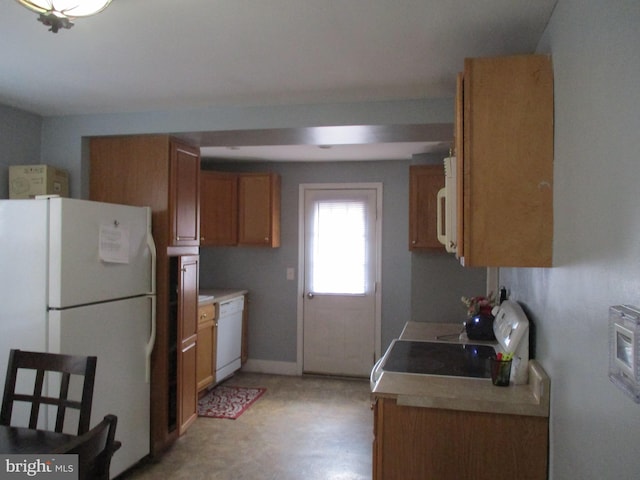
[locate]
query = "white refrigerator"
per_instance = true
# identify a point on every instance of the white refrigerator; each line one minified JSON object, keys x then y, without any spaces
{"x":78,"y":277}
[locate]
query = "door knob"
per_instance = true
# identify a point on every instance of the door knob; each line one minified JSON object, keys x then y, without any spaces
{"x":310,"y":295}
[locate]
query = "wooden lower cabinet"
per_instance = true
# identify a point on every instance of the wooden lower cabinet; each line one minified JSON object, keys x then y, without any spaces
{"x":188,"y":396}
{"x":429,"y":443}
{"x":187,"y":342}
{"x":206,"y":362}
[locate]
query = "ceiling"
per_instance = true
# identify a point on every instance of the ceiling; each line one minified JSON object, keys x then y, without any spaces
{"x":162,"y":55}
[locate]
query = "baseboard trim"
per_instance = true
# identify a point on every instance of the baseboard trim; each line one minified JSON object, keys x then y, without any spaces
{"x":270,"y":366}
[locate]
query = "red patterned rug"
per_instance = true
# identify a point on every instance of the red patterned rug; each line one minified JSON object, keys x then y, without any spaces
{"x":227,"y":401}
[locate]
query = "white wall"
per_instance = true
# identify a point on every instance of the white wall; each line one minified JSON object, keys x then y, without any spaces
{"x":595,"y":428}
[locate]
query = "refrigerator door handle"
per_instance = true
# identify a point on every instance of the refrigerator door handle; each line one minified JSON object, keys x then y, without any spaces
{"x":151,"y":245}
{"x":152,"y":339}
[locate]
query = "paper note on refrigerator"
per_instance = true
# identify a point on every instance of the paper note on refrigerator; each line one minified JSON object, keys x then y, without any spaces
{"x":114,"y":243}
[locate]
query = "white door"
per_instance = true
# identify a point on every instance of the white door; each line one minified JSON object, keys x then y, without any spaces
{"x":341,"y":229}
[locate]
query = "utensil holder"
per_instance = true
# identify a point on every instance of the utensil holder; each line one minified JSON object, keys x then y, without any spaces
{"x":500,"y":372}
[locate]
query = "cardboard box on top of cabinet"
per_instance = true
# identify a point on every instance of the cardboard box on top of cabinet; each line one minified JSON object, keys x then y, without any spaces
{"x":27,"y":181}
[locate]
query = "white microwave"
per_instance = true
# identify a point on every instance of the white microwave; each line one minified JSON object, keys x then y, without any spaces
{"x":447,"y":208}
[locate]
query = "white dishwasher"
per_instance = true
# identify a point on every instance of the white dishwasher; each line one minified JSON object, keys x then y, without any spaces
{"x":229,"y":343}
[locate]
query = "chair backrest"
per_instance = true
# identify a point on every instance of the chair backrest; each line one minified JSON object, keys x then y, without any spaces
{"x":43,"y":363}
{"x":95,"y":449}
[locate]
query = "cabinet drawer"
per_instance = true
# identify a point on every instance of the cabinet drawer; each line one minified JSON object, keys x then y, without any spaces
{"x":206,"y":313}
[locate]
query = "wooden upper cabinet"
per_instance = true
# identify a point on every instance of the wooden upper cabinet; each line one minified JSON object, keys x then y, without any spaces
{"x":424,"y":183}
{"x":151,"y":170}
{"x":184,"y":195}
{"x":259,"y":209}
{"x":218,"y":208}
{"x":504,"y":149}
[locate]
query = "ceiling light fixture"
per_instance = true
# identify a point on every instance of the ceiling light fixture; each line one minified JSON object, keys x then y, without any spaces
{"x":58,"y":14}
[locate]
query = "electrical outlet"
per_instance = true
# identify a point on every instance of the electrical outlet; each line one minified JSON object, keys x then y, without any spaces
{"x":291,"y":275}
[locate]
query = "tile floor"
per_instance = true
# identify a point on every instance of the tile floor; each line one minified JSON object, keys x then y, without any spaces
{"x":311,"y":428}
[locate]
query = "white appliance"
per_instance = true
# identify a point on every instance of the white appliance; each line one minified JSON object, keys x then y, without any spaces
{"x":78,"y":277}
{"x":511,"y":328}
{"x":229,"y":343}
{"x":447,"y":208}
{"x":457,"y":356}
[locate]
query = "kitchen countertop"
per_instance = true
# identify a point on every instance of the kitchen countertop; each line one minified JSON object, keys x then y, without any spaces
{"x":460,"y":393}
{"x":219,"y":295}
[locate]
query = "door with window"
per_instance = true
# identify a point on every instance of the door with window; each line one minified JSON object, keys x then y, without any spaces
{"x":341,"y":231}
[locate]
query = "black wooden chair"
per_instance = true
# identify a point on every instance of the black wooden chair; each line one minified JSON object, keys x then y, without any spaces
{"x":95,"y":450}
{"x":47,"y":363}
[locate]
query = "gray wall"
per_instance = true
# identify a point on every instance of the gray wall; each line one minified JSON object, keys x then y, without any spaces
{"x":63,"y":142}
{"x":595,"y":428}
{"x":437,"y":283}
{"x":420,"y":286}
{"x":19,"y":142}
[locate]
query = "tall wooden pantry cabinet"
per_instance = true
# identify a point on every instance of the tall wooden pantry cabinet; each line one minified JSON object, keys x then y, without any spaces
{"x":163,"y":173}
